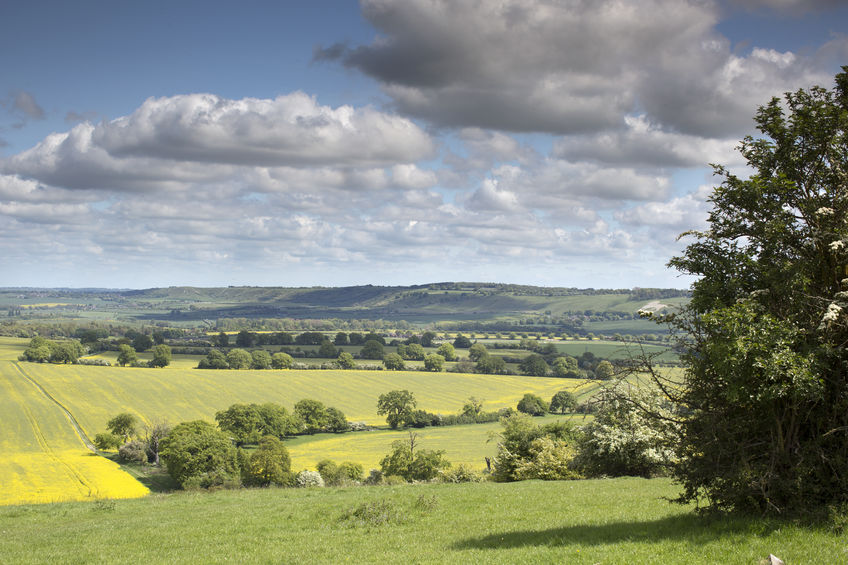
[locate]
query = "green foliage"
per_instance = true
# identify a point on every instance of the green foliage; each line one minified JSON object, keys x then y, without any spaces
{"x":372,"y":349}
{"x":412,"y":352}
{"x":566,"y":368}
{"x":477,"y":351}
{"x":122,"y":425}
{"x":281,"y":360}
{"x":346,"y":473}
{"x":134,"y":451}
{"x":214,"y":360}
{"x":327,"y":350}
{"x":413,"y":464}
{"x":491,"y":365}
{"x":604,"y":371}
{"x":106,"y":441}
{"x":196,"y":454}
{"x":126,"y":355}
{"x":312,"y":413}
{"x":633,"y":433}
{"x":461,"y":342}
{"x":269,"y":464}
{"x":393,"y":362}
{"x":562,"y":402}
{"x":534,"y":365}
{"x":434,"y":362}
{"x":161,"y":356}
{"x":142,"y":342}
{"x":765,"y":387}
{"x":395,"y":405}
{"x":447,"y":351}
{"x":239,"y":359}
{"x":336,"y":420}
{"x":533,"y":405}
{"x":260,"y":359}
{"x":521,"y":454}
{"x":345,"y":361}
{"x":42,"y":350}
{"x":248,"y":423}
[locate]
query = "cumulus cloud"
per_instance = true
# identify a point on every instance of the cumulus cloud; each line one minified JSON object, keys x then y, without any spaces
{"x":569,"y":67}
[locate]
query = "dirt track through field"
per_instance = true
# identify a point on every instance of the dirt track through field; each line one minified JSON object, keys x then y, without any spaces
{"x":68,"y":415}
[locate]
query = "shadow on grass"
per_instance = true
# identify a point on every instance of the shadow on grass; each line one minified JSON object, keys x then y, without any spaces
{"x":156,"y":479}
{"x":687,"y":527}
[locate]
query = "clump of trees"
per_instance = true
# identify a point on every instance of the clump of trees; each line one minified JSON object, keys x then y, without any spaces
{"x":408,"y":461}
{"x":530,"y":451}
{"x":42,"y":350}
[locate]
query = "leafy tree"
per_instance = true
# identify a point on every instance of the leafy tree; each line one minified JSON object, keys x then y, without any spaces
{"x":276,"y":421}
{"x":336,"y":420}
{"x":434,"y":362}
{"x":427,"y":339}
{"x":477,"y":351}
{"x":107,"y":440}
{"x":345,"y":360}
{"x":534,"y":365}
{"x":341,"y":339}
{"x":765,"y":393}
{"x":519,"y":450}
{"x":197,"y":454}
{"x":566,"y":367}
{"x":371,"y":336}
{"x":222,"y":340}
{"x":491,"y":365}
{"x":269,"y":464}
{"x":327,"y":350}
{"x":372,"y":349}
{"x":604,"y":371}
{"x":245,"y":339}
{"x":126,"y":355}
{"x":214,"y":360}
{"x":64,"y":351}
{"x":396,"y":405}
{"x":123,"y":425}
{"x":242,"y":421}
{"x":413,"y":351}
{"x":38,"y":350}
{"x":239,"y":359}
{"x":411,"y":463}
{"x":447,"y":351}
{"x":356,"y":338}
{"x":312,"y":413}
{"x":563,"y":402}
{"x":533,"y":405}
{"x":281,"y":360}
{"x":472,"y":407}
{"x":260,"y":359}
{"x":161,"y":356}
{"x":142,"y":342}
{"x":461,"y":342}
{"x":393,"y":362}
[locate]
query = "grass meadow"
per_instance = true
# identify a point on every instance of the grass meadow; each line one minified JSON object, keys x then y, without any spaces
{"x":609,"y":521}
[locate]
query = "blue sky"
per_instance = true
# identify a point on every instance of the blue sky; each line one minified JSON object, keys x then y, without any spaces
{"x":385,"y":142}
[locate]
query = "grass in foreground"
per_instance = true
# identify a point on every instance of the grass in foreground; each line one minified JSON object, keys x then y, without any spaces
{"x":597,"y":521}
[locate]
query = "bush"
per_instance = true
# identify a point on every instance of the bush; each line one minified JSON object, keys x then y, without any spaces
{"x":270,"y":464}
{"x":533,"y":405}
{"x":134,"y":451}
{"x":518,"y":455}
{"x":107,"y":441}
{"x":413,"y":464}
{"x":461,"y":474}
{"x":197,"y":454}
{"x":309,"y":479}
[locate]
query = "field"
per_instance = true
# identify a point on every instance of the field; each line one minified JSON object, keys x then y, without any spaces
{"x":44,"y":460}
{"x":612,"y":521}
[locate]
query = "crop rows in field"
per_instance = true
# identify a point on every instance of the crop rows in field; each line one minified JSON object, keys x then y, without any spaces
{"x":44,"y":459}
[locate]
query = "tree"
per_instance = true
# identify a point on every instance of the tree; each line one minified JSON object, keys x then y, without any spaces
{"x":566,"y":367}
{"x":196,"y":454}
{"x":393,"y":362}
{"x":765,"y":393}
{"x":341,"y":339}
{"x":427,"y":339}
{"x":563,"y":402}
{"x":242,"y":421}
{"x":214,"y":360}
{"x":126,"y":355}
{"x":269,"y":464}
{"x":38,"y":350}
{"x":396,"y":405}
{"x":336,"y":420}
{"x":529,"y":451}
{"x":260,"y":359}
{"x":245,"y":339}
{"x":413,"y":464}
{"x":239,"y":359}
{"x":142,"y":342}
{"x":477,"y":351}
{"x":122,"y":425}
{"x":161,"y":356}
{"x":413,"y":351}
{"x":281,"y":360}
{"x":372,"y":349}
{"x":327,"y":350}
{"x":434,"y":362}
{"x":533,"y":405}
{"x":461,"y":342}
{"x":312,"y":413}
{"x":222,"y":340}
{"x":534,"y":365}
{"x":153,"y":435}
{"x":491,"y":365}
{"x":345,"y":361}
{"x":604,"y":371}
{"x":447,"y":351}
{"x":472,"y":407}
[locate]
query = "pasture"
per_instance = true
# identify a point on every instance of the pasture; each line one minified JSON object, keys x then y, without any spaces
{"x":610,"y":521}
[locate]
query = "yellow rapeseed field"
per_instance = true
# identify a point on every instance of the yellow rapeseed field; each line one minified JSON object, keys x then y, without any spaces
{"x":44,"y":460}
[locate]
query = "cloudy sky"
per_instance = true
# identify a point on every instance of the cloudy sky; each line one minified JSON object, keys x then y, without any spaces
{"x":545,"y":142}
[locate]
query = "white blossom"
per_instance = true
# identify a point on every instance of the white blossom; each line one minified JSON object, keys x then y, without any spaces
{"x":837,"y":245}
{"x":823,"y":211}
{"x":832,"y":314}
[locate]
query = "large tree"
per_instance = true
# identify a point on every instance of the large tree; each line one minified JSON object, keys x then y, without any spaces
{"x":199,"y":455}
{"x":396,"y":405}
{"x":765,"y":397}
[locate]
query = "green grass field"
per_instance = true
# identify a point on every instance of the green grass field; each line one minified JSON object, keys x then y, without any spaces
{"x":609,"y":521}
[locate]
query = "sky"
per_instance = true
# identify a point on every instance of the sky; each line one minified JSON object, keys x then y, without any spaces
{"x":386,"y":142}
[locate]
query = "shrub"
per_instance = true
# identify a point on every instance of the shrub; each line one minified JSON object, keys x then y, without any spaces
{"x":106,"y":441}
{"x":281,"y":361}
{"x":533,"y":405}
{"x":461,"y":474}
{"x":134,"y":451}
{"x":393,"y":362}
{"x":199,"y":455}
{"x":308,"y":478}
{"x":517,"y":450}
{"x":270,"y":464}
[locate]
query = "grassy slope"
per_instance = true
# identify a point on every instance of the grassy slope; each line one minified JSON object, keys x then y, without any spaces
{"x":598,"y":521}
